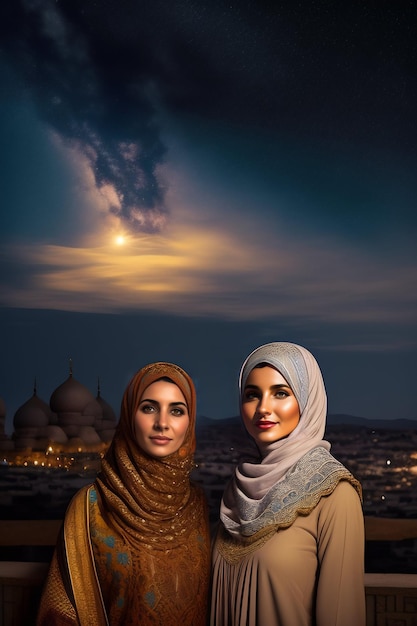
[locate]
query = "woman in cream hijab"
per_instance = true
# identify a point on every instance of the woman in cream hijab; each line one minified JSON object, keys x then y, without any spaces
{"x":290,"y":547}
{"x":135,"y":545}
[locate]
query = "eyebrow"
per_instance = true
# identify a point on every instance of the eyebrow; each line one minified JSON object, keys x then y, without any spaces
{"x":280,"y":386}
{"x":170,"y":404}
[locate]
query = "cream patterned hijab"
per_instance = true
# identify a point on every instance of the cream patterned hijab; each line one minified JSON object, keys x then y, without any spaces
{"x":294,"y":472}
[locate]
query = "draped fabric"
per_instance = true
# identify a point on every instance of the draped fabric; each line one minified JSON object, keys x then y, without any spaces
{"x":290,"y":548}
{"x":309,"y":574}
{"x":147,"y":524}
{"x":149,"y":500}
{"x":314,"y":476}
{"x":246,"y":504}
{"x":72,"y":595}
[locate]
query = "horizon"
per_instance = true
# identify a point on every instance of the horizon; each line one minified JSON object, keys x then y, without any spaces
{"x":40,"y":344}
{"x":331,"y":417}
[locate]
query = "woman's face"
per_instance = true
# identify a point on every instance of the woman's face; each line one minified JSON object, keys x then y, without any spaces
{"x":270,"y":409}
{"x":162,"y":419}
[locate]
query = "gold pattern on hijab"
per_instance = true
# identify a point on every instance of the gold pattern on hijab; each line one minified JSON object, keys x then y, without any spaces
{"x":149,"y":501}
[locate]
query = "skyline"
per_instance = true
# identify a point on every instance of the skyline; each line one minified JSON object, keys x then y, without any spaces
{"x":186,"y":182}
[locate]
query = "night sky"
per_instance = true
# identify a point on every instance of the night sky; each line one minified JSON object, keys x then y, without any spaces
{"x":184,"y":181}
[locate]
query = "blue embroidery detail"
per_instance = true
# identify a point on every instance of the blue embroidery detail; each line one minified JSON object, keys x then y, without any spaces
{"x":122,"y":558}
{"x":109,"y":541}
{"x":93,"y":496}
{"x":290,"y":497}
{"x":120,"y":602}
{"x":150,"y":598}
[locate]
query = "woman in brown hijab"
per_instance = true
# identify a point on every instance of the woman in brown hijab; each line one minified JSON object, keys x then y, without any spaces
{"x":134,"y":548}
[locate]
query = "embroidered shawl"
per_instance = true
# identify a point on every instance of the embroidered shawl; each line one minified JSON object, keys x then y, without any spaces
{"x":294,"y":472}
{"x":136,"y":546}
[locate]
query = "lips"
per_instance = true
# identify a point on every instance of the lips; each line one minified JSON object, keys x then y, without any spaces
{"x":265,"y":424}
{"x":160,"y":441}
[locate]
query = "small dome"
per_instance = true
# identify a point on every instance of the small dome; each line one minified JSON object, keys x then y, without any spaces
{"x":34,"y":413}
{"x":94,"y":409}
{"x":108,"y":424}
{"x":107,"y":410}
{"x":71,"y":396}
{"x":89,"y":435}
{"x":75,"y":419}
{"x":56,"y":434}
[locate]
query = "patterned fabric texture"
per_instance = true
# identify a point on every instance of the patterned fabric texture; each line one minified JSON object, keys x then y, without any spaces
{"x":147,"y":523}
{"x":256,"y":487}
{"x":314,"y":476}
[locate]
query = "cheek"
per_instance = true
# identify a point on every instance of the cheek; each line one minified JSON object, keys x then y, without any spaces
{"x":292,"y":412}
{"x":138,"y":425}
{"x":182,"y":428}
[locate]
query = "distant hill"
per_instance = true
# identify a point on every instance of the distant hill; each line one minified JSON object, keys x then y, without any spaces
{"x":337,"y":419}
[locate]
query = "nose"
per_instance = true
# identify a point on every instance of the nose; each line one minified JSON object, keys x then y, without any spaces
{"x":263,"y":406}
{"x":161,"y":420}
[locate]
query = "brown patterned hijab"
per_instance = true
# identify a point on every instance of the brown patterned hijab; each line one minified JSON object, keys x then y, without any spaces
{"x":149,"y":500}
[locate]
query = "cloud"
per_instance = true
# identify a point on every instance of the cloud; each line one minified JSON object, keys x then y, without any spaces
{"x":251,"y":272}
{"x":99,"y":75}
{"x":91,"y":106}
{"x":254,"y":236}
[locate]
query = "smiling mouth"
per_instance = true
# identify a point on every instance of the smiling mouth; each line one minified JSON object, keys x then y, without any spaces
{"x":265,"y":424}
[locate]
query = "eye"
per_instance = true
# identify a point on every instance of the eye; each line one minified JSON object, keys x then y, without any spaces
{"x":177,"y":412}
{"x":148,"y":408}
{"x":249,"y":395}
{"x":281,"y":394}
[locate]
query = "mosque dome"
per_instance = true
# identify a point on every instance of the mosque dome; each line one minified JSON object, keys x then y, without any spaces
{"x":107,"y":411}
{"x":79,"y":414}
{"x":106,"y":428}
{"x":70,"y":397}
{"x":94,"y":411}
{"x":74,"y":418}
{"x":55,"y":434}
{"x":30,"y":420}
{"x":68,"y":419}
{"x":34,"y":413}
{"x":89,"y":435}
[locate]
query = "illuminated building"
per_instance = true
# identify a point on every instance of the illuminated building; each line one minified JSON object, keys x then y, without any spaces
{"x":74,"y":420}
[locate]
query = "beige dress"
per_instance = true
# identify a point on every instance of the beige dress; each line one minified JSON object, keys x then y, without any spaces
{"x":310,"y":574}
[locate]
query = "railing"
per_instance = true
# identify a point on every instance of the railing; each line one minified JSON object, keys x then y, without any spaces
{"x":390,"y":598}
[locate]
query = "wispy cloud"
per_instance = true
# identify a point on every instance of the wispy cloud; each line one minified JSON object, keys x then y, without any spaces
{"x":89,"y":102}
{"x":195,"y":271}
